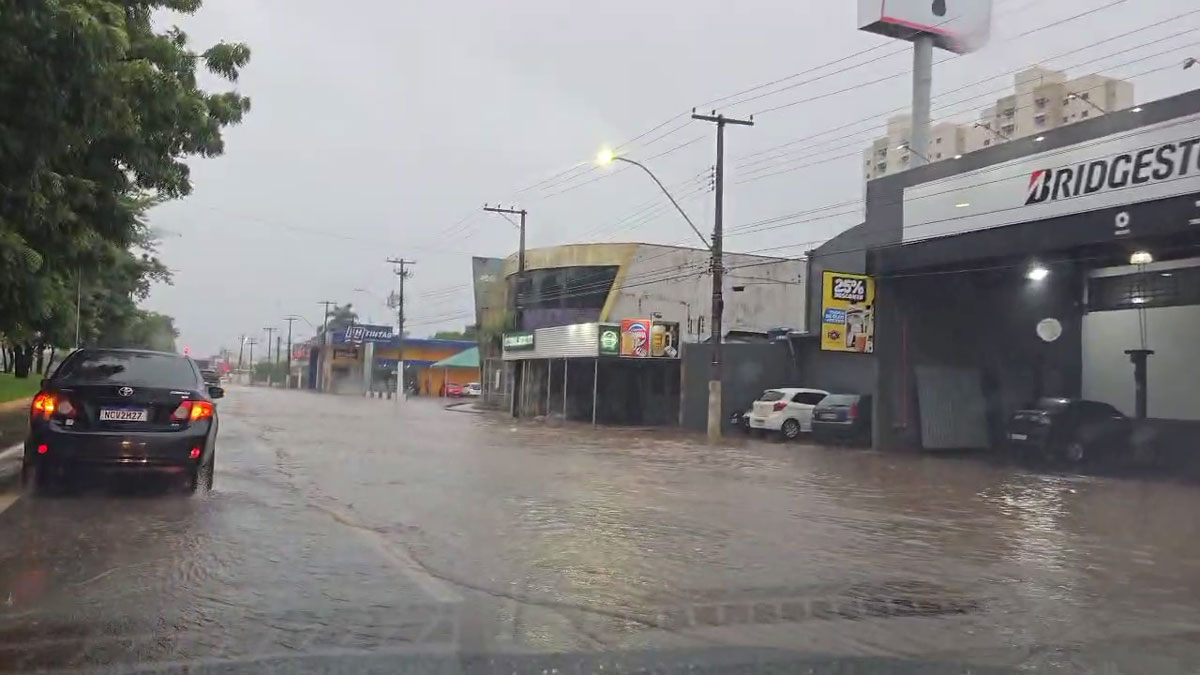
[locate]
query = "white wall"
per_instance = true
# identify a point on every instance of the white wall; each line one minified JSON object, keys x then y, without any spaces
{"x":1173,"y":371}
{"x":675,"y":282}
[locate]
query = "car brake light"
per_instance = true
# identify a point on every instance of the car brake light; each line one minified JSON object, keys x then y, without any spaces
{"x":192,"y":410}
{"x":43,"y":405}
{"x":779,"y":405}
{"x":853,"y":411}
{"x":43,"y":449}
{"x":195,"y":453}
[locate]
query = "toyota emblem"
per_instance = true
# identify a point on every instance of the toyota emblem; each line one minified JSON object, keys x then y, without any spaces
{"x":125,"y":391}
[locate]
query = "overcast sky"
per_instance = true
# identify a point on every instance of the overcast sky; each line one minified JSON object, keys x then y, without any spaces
{"x":380,"y":128}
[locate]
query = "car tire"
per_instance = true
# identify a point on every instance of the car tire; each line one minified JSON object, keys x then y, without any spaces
{"x":1075,"y":451}
{"x":790,"y":429}
{"x":202,"y":476}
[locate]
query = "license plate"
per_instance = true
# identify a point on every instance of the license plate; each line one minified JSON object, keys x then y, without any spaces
{"x":124,"y":415}
{"x":827,"y":416}
{"x":757,"y":422}
{"x":1018,"y":437}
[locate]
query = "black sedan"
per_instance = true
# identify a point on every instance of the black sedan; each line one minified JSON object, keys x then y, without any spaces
{"x":126,"y":410}
{"x":1071,"y":429}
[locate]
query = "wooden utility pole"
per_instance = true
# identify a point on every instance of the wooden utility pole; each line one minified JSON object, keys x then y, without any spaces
{"x":520,"y":256}
{"x":715,"y":415}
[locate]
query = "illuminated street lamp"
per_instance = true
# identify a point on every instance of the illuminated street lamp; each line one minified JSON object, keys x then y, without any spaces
{"x":606,"y":157}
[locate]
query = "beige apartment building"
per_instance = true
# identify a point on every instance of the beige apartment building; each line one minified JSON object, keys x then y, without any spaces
{"x":1042,"y":99}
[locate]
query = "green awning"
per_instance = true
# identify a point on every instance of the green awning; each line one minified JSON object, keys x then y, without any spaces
{"x":464,"y":359}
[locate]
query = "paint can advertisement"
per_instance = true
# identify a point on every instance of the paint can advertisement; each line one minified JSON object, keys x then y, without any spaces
{"x":847,"y":313}
{"x":635,"y":337}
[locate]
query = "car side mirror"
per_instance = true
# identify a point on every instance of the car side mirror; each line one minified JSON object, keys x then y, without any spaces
{"x":216,"y":392}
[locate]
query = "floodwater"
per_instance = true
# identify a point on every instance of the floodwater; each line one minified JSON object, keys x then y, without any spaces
{"x":358,"y":534}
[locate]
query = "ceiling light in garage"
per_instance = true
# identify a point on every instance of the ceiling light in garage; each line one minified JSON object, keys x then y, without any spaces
{"x":1141,"y":258}
{"x":1037,"y":273}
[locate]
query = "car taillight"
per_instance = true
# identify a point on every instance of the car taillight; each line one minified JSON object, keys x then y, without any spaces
{"x":779,"y":405}
{"x":43,"y":405}
{"x":65,"y":409}
{"x":853,"y":414}
{"x":192,"y":410}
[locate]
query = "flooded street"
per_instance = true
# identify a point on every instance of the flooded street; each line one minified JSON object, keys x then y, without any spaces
{"x":358,"y":533}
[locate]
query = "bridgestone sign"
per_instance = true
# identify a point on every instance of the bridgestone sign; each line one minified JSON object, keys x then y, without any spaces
{"x":1163,"y":162}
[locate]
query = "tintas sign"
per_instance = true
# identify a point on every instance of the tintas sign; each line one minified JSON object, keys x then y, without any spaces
{"x":360,"y":333}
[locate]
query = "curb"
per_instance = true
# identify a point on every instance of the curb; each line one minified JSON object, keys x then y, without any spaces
{"x":16,"y":404}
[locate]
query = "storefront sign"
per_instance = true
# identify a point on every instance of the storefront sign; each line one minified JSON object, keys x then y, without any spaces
{"x":664,"y":339}
{"x":360,"y":333}
{"x":518,"y":341}
{"x":1114,"y":172}
{"x":847,"y":313}
{"x":635,"y":338}
{"x":609,"y":340}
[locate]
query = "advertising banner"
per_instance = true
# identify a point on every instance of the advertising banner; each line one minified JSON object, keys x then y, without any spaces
{"x":609,"y":340}
{"x":664,"y":339}
{"x":959,"y":26}
{"x":635,"y":338}
{"x":847,"y":313}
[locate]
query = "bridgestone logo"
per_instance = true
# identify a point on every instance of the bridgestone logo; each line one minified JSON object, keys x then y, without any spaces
{"x":1149,"y":165}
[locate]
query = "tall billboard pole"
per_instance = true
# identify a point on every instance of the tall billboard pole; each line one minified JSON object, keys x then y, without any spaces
{"x":959,"y":26}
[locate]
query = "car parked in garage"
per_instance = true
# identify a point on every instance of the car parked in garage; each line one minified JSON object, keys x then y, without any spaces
{"x":1074,"y":430}
{"x":843,"y":418}
{"x":788,"y":411}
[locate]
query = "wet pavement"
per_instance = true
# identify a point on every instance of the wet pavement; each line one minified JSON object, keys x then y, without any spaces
{"x":355,"y":534}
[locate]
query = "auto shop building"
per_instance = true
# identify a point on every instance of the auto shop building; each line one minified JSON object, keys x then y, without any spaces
{"x":1042,"y":266}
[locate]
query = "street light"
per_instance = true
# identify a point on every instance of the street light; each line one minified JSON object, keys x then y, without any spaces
{"x":606,"y":157}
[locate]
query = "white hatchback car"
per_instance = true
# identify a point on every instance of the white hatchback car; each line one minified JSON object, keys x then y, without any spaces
{"x":473,"y":389}
{"x":788,"y":411}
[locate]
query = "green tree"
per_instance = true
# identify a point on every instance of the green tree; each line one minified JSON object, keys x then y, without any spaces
{"x":340,"y":317}
{"x":467,"y":333}
{"x":101,"y":110}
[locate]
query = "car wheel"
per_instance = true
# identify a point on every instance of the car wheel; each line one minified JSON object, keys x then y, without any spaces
{"x":790,"y":429}
{"x":202,"y":477}
{"x":1075,"y":451}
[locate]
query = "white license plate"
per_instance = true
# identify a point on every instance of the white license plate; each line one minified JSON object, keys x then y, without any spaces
{"x":758,"y":422}
{"x":124,"y":415}
{"x":1018,"y":437}
{"x":827,"y":416}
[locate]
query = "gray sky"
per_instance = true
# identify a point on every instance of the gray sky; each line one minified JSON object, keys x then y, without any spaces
{"x":380,"y":128}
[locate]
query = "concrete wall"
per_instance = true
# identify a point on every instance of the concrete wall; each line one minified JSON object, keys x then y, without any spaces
{"x":674,"y":282}
{"x":1173,"y":371}
{"x":749,"y":369}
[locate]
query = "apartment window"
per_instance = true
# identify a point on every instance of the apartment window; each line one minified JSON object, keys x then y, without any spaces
{"x":939,"y":155}
{"x":881,"y":167}
{"x":987,"y":141}
{"x":939,"y":140}
{"x":1084,"y":113}
{"x":1039,"y":120}
{"x":904,"y":159}
{"x":1041,"y":103}
{"x":882,"y":152}
{"x":1084,"y":96}
{"x":1009,"y":129}
{"x":1065,"y":119}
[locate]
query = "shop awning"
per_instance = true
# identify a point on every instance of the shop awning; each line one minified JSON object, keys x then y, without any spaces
{"x":463,"y":359}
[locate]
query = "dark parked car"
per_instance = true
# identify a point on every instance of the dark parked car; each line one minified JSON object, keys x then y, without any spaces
{"x":842,"y":417}
{"x":127,"y":410}
{"x":1070,"y":429}
{"x":211,"y":376}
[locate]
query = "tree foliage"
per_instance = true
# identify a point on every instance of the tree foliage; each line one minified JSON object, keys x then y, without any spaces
{"x":101,"y":110}
{"x":467,"y":333}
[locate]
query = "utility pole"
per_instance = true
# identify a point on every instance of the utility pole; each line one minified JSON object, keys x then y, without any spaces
{"x":321,"y":344}
{"x":520,"y":255}
{"x":270,"y":331}
{"x":241,"y":347}
{"x":251,"y":342}
{"x":402,"y":273}
{"x":288,"y":379}
{"x":718,"y":277}
{"x":278,"y":347}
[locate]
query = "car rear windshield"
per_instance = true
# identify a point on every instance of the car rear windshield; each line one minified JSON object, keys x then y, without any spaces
{"x":1053,"y":405}
{"x":771,"y":395}
{"x":149,"y":370}
{"x":840,"y":399}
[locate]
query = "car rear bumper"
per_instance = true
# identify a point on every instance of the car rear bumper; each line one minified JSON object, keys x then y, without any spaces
{"x":846,"y":429}
{"x":768,"y":423}
{"x":164,"y":451}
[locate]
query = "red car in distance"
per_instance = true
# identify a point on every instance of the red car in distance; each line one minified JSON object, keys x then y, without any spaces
{"x":454,"y":390}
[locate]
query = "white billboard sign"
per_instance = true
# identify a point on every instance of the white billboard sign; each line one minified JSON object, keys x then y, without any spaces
{"x":959,"y":26}
{"x":1153,"y":162}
